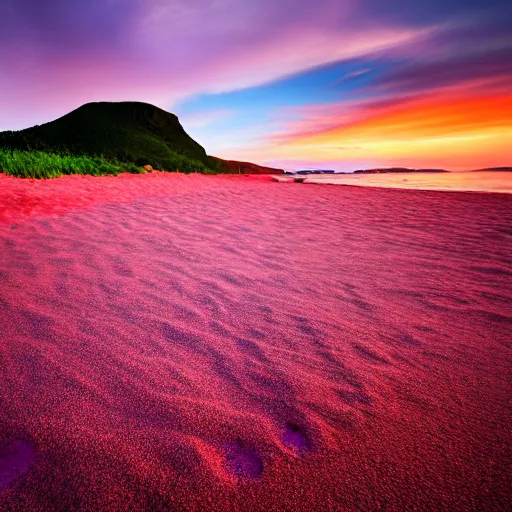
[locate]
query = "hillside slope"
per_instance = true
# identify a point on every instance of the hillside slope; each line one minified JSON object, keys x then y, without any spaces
{"x":131,"y":132}
{"x":128,"y":131}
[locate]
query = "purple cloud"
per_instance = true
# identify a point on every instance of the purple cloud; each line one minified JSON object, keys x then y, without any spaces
{"x":57,"y":54}
{"x":455,"y":55}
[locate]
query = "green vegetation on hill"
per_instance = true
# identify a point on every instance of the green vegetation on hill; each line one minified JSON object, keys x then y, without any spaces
{"x":110,"y":135}
{"x":109,"y":138}
{"x":38,"y":164}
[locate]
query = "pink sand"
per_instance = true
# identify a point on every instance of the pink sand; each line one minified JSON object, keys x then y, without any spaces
{"x":173,"y":342}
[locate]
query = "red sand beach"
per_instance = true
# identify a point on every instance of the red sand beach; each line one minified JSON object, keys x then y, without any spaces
{"x":173,"y":342}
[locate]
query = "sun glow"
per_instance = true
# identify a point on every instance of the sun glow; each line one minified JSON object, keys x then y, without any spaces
{"x":456,"y":132}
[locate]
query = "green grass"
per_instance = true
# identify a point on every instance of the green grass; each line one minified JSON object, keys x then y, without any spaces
{"x":41,"y":164}
{"x":38,"y":164}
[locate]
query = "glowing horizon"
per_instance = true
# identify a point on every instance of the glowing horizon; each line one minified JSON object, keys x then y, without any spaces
{"x":440,"y":132}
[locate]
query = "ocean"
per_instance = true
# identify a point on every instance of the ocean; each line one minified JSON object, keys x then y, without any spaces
{"x":473,"y":181}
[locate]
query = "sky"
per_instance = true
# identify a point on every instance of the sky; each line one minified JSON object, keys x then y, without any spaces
{"x":294,"y":84}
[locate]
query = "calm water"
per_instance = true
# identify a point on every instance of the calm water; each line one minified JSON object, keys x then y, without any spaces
{"x":482,"y":181}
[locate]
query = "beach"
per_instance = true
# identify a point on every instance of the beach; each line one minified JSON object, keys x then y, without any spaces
{"x":174,"y":342}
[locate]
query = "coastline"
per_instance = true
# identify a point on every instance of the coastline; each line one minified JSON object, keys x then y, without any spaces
{"x":470,"y":181}
{"x":30,"y":197}
{"x":410,"y":189}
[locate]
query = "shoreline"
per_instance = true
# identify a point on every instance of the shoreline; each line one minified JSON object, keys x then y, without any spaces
{"x":488,"y":182}
{"x":28,"y":197}
{"x":410,"y":189}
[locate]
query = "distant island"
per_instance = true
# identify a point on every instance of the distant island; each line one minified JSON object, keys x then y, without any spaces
{"x":108,"y":138}
{"x":387,"y":170}
{"x":494,"y":169}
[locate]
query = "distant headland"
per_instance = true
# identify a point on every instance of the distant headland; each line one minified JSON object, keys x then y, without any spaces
{"x":494,"y":169}
{"x":387,"y":170}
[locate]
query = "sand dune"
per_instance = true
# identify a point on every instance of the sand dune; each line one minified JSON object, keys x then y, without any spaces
{"x":178,"y":342}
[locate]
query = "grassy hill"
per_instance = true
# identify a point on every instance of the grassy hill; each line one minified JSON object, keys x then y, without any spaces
{"x":108,"y":138}
{"x":135,"y":133}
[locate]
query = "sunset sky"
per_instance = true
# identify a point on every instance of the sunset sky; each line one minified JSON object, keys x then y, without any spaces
{"x":295,"y":84}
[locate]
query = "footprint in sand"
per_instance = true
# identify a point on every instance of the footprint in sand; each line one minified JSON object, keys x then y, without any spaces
{"x":15,"y":460}
{"x":295,"y":438}
{"x":243,"y":461}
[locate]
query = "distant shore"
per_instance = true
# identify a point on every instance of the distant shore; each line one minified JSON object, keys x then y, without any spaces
{"x":389,"y":170}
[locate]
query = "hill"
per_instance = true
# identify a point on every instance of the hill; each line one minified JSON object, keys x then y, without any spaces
{"x":129,"y":132}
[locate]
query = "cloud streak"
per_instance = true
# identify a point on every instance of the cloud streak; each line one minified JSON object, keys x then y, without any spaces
{"x":448,"y":105}
{"x":455,"y":130}
{"x":64,"y":53}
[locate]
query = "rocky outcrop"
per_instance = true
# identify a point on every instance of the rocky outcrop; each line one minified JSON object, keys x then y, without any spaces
{"x":235,"y":167}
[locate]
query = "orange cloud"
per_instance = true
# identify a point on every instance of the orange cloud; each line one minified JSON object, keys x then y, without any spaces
{"x":456,"y":132}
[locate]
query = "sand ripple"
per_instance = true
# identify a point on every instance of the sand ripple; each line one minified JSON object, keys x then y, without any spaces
{"x":212,"y":343}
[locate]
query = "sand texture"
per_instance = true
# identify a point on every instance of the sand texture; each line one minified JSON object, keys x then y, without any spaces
{"x":173,"y":342}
